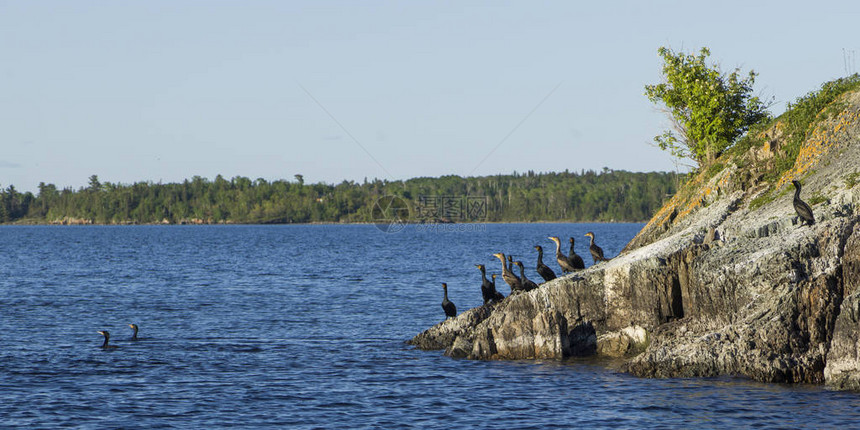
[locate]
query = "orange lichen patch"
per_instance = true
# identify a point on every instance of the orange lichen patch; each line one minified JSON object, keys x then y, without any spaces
{"x":817,"y":144}
{"x":693,"y":198}
{"x":661,"y":216}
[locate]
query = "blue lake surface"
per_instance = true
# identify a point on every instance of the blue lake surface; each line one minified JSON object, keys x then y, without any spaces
{"x":304,"y":327}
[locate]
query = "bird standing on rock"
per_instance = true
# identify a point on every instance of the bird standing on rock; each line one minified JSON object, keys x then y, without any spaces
{"x":447,"y":305}
{"x":528,"y":284}
{"x":511,"y":266}
{"x":488,"y":289}
{"x":562,"y":259}
{"x":803,"y":210}
{"x":575,"y":260}
{"x":509,"y":277}
{"x":596,"y":251}
{"x":543,"y":270}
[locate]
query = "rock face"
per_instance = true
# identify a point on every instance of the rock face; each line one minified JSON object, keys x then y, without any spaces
{"x":714,"y":284}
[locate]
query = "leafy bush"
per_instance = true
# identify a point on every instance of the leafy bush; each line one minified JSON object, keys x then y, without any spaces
{"x":709,"y":110}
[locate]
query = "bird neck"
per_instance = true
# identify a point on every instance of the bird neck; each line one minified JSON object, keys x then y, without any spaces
{"x":540,"y":256}
{"x":797,"y":191}
{"x":445,"y":293}
{"x":522,"y":272}
{"x":557,"y":248}
{"x":504,"y":264}
{"x":105,"y":344}
{"x":590,"y":240}
{"x":483,"y":274}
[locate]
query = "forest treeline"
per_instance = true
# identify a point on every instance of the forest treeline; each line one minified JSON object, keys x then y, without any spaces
{"x":608,"y":195}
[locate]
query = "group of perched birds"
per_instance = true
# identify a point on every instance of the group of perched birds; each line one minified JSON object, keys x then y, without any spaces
{"x":567,"y":263}
{"x":106,"y":334}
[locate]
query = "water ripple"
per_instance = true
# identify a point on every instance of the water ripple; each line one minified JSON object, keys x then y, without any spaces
{"x":285,"y":326}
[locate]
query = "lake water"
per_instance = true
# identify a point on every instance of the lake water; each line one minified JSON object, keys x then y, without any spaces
{"x":304,"y":327}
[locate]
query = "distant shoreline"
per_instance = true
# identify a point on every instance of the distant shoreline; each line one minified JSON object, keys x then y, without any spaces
{"x":79,"y":224}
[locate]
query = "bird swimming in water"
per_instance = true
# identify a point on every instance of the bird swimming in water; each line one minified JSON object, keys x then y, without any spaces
{"x":133,"y":327}
{"x":106,"y":334}
{"x":803,"y":210}
{"x":528,"y":284}
{"x":508,"y":276}
{"x":488,"y":289}
{"x":596,"y":251}
{"x":543,"y":270}
{"x":574,"y":258}
{"x":447,"y":305}
{"x":562,"y":259}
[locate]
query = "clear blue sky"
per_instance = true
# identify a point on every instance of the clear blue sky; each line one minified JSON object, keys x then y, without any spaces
{"x":165,"y":90}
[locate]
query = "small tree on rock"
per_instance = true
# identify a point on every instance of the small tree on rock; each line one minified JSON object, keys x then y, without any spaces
{"x":709,"y":109}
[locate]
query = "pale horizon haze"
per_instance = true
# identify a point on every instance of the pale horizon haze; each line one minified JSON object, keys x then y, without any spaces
{"x":336,"y":90}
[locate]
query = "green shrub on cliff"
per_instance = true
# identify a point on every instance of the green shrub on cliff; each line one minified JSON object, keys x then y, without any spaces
{"x":709,"y":110}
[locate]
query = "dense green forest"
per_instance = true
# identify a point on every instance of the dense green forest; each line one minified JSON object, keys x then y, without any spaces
{"x":609,"y":195}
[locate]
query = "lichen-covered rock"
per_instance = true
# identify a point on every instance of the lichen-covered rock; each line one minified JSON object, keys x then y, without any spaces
{"x":843,"y":359}
{"x":713,"y":285}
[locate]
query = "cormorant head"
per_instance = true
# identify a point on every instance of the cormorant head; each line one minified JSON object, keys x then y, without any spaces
{"x":494,"y":277}
{"x":133,"y":326}
{"x":500,"y":256}
{"x":480,"y":267}
{"x":519,"y":264}
{"x":571,"y":241}
{"x":538,"y":248}
{"x":590,"y":234}
{"x":105,"y":334}
{"x":510,"y":258}
{"x":444,"y":285}
{"x":796,"y":183}
{"x":554,"y":239}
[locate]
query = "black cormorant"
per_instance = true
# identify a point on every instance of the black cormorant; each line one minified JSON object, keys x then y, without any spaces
{"x":528,"y":284}
{"x":488,"y":289}
{"x":596,"y":251}
{"x":508,"y":276}
{"x":574,"y":258}
{"x":511,"y":266}
{"x":107,"y":339}
{"x":561,"y":258}
{"x":803,"y":210}
{"x":543,"y":270}
{"x":133,"y":327}
{"x":447,"y":305}
{"x":499,"y":295}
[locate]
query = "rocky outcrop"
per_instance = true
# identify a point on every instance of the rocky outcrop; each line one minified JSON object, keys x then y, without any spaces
{"x":843,"y":359}
{"x":723,"y":281}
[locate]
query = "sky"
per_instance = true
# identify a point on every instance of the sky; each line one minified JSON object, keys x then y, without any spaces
{"x":345,"y":90}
